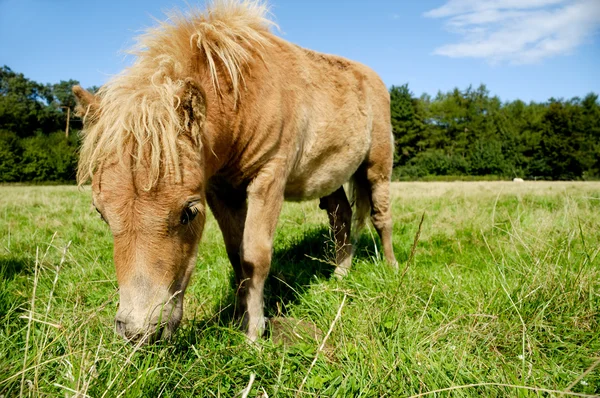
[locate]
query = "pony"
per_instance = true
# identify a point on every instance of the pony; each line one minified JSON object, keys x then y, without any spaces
{"x":217,"y":110}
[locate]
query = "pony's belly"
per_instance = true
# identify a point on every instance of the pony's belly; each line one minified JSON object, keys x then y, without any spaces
{"x":306,"y":182}
{"x":310,"y":189}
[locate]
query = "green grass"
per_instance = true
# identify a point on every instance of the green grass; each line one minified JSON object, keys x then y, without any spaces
{"x":502,"y":298}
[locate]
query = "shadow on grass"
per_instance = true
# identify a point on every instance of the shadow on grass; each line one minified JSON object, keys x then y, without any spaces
{"x":11,"y":266}
{"x":296,"y":263}
{"x":309,"y":257}
{"x":304,"y":259}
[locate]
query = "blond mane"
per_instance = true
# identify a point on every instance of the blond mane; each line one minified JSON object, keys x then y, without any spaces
{"x":139,"y":108}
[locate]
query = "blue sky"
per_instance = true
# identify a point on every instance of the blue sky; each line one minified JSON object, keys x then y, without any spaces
{"x":526,"y":49}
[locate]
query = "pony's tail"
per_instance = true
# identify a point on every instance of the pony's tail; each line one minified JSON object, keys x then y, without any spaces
{"x":360,"y":198}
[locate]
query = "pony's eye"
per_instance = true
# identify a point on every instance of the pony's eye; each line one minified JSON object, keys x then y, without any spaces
{"x":188,"y":214}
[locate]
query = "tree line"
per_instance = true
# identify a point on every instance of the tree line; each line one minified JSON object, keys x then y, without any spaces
{"x":457,"y":134}
{"x":471,"y":133}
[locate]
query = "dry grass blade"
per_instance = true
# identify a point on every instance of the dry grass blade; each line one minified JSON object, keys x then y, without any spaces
{"x":536,"y":389}
{"x":32,"y":309}
{"x":587,"y":372}
{"x":413,"y":249}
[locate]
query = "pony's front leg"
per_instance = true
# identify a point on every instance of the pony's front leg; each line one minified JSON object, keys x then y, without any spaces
{"x":265,"y":198}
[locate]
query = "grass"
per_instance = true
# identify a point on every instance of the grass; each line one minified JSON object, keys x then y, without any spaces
{"x":501,"y":298}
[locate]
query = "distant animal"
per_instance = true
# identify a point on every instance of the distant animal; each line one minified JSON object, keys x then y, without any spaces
{"x":218,"y":110}
{"x":516,"y":179}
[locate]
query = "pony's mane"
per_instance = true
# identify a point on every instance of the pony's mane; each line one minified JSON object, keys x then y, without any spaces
{"x":139,"y":108}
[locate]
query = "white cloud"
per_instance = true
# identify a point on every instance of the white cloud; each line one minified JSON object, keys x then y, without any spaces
{"x":517,"y":31}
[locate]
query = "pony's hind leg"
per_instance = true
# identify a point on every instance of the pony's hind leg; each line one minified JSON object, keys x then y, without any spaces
{"x":340,"y":219}
{"x":381,"y":214}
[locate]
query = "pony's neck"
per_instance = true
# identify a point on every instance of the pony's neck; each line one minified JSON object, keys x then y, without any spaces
{"x":220,"y":139}
{"x":217,"y":146}
{"x":212,"y":161}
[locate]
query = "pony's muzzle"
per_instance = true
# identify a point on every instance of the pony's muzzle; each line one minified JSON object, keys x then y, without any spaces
{"x":160,"y":324}
{"x":151,"y":335}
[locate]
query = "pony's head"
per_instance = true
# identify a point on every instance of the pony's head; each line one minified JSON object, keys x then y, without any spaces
{"x":142,"y":151}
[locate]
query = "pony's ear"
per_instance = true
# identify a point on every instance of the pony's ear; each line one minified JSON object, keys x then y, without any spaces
{"x":87,"y":103}
{"x":192,"y":104}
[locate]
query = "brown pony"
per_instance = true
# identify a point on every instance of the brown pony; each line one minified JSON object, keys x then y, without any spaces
{"x":218,"y":110}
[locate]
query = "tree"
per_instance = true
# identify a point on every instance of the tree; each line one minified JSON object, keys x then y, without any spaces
{"x":408,"y":123}
{"x":64,"y":101}
{"x":10,"y":157}
{"x":24,"y":105}
{"x":30,"y":114}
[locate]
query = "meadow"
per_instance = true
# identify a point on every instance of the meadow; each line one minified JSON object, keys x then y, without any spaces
{"x":497,"y":295}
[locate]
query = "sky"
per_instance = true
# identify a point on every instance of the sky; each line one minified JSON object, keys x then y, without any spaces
{"x":520,"y":49}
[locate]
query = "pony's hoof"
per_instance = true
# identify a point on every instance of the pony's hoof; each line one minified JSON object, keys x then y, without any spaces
{"x":341,"y":272}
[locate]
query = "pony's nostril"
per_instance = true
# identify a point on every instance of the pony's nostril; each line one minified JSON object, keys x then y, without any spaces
{"x":120,"y":326}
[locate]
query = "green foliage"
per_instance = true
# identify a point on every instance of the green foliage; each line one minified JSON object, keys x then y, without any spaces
{"x":10,"y":157}
{"x":487,"y":158}
{"x":33,"y":118}
{"x":40,"y":158}
{"x":49,"y":158}
{"x":63,"y":95}
{"x":24,"y":105}
{"x":433,"y":162}
{"x":408,"y":125}
{"x":471,"y":133}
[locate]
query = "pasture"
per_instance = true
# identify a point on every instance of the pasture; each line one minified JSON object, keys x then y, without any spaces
{"x":498,"y":294}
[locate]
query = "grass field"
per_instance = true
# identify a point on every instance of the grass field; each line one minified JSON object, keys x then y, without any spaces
{"x":501,"y":299}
